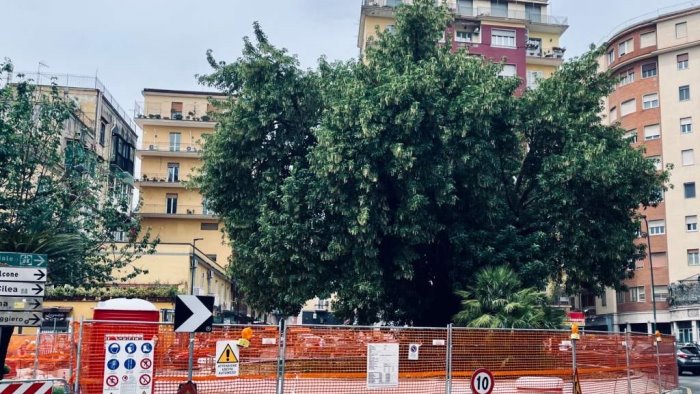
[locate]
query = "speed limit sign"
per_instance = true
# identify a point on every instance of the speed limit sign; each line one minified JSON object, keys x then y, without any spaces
{"x":482,"y":381}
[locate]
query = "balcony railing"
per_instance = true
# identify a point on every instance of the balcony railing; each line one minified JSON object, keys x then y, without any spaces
{"x":163,"y":177}
{"x":179,"y":210}
{"x":171,"y":147}
{"x":196,"y":116}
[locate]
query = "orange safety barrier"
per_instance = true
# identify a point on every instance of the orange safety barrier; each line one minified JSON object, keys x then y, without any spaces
{"x":334,"y":359}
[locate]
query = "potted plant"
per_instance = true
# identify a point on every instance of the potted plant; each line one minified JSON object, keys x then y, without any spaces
{"x":177,"y":116}
{"x":205,"y":118}
{"x":151,"y":116}
{"x":145,"y":177}
{"x":157,"y":116}
{"x":166,"y":117}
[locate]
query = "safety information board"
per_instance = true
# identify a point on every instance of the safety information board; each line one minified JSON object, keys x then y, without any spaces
{"x":227,"y":358}
{"x":128,"y":365}
{"x":382,"y":365}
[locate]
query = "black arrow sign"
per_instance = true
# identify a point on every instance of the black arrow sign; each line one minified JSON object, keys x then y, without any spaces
{"x":39,"y":275}
{"x":36,"y":303}
{"x":38,"y":289}
{"x":34,"y":320}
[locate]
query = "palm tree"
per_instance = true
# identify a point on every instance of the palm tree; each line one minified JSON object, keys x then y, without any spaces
{"x":497,"y":300}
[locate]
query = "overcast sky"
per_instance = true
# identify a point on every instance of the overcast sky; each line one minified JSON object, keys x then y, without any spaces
{"x":133,"y":44}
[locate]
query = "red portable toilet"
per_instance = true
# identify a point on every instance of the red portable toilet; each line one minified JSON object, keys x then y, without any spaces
{"x":115,"y":317}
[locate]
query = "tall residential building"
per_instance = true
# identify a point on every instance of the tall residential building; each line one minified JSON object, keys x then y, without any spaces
{"x":522,"y":34}
{"x":174,"y":124}
{"x":657,"y":61}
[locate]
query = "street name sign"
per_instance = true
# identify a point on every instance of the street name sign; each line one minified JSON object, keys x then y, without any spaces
{"x":21,"y":289}
{"x":23,"y":259}
{"x":21,"y":274}
{"x":20,"y":303}
{"x":24,"y":319}
{"x":194,"y":313}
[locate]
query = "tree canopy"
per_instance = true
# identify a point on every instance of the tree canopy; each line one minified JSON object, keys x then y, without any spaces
{"x":55,"y":194}
{"x":391,"y":180}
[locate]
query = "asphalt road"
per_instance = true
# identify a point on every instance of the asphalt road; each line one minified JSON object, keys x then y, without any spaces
{"x":690,"y":381}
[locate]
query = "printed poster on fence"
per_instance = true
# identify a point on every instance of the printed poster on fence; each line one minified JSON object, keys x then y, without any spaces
{"x":128,"y":365}
{"x":382,"y":365}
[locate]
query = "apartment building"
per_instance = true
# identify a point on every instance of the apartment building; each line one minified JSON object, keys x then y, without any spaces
{"x":193,"y":253}
{"x":521,"y":34}
{"x":657,"y":62}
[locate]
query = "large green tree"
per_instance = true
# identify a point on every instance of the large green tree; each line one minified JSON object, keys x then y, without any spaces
{"x":55,"y":194}
{"x":390,"y":181}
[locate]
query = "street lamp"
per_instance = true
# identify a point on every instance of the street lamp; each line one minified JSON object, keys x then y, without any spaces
{"x":193,"y":263}
{"x":651,"y":270}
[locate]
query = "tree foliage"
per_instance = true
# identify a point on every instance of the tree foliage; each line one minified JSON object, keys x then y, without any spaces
{"x":390,"y":181}
{"x":55,"y":196}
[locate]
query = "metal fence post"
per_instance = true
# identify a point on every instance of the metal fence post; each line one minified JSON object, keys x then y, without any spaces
{"x":281,"y":350}
{"x":76,"y":385}
{"x":657,"y":341}
{"x":448,"y":361}
{"x":36,"y":353}
{"x":70,"y":359}
{"x":627,"y":359}
{"x":573,"y":363}
{"x":190,"y":358}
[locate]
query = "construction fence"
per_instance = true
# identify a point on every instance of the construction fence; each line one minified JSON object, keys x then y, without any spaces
{"x":355,"y":359}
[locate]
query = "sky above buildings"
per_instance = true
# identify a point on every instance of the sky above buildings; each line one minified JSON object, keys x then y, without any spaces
{"x":133,"y":44}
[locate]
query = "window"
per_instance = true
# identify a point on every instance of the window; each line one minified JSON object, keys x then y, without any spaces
{"x":620,"y":296}
{"x":657,"y":162}
{"x":499,"y":8}
{"x":171,"y":203}
{"x":649,"y":70}
{"x":631,"y":136}
{"x":625,"y":47}
{"x":611,"y":56}
{"x":681,"y":29}
{"x":682,"y":61}
{"x":175,"y":142}
{"x":660,"y":293}
{"x":389,"y":28}
{"x":647,"y":39}
{"x":465,"y":7}
{"x":689,"y":189}
{"x":637,"y":294}
{"x":657,"y":227}
{"x":627,"y":77}
{"x":684,"y":93}
{"x":173,"y":172}
{"x":205,"y":208}
{"x":209,"y":226}
{"x":652,"y":132}
{"x":463,"y":36}
{"x":660,"y":259}
{"x":211,"y":257}
{"x":688,"y":157}
{"x":650,"y":101}
{"x":533,"y":12}
{"x":603,"y":300}
{"x":613,"y":114}
{"x":691,"y":223}
{"x":686,"y":125}
{"x":176,"y":110}
{"x":508,"y":70}
{"x":103,"y":132}
{"x":533,"y":78}
{"x":628,"y":107}
{"x":534,"y":46}
{"x":503,"y":38}
{"x":693,"y":257}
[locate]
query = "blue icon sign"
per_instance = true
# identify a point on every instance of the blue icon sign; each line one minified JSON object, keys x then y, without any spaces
{"x":113,"y":364}
{"x":130,"y":348}
{"x":146,"y":348}
{"x":129,"y":363}
{"x":114,"y":348}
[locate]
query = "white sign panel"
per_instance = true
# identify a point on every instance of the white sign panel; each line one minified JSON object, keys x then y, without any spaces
{"x":382,"y":365}
{"x":128,"y":365}
{"x":227,"y":358}
{"x":413,"y":349}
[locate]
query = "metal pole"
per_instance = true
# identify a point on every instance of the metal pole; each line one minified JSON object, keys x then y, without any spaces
{"x":448,"y":361}
{"x":190,"y":358}
{"x":193,"y":267}
{"x":651,"y":270}
{"x":36,"y":353}
{"x":70,"y":362}
{"x":658,"y":363}
{"x":627,"y":359}
{"x":281,"y":356}
{"x":76,"y":387}
{"x":573,"y":364}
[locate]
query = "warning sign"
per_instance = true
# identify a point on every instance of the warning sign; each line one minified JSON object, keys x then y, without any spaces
{"x":227,"y":359}
{"x":131,"y":359}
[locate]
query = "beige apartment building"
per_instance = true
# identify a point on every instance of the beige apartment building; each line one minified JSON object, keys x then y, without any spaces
{"x":656,"y":101}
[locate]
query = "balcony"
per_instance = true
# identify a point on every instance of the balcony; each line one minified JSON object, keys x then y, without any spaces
{"x":170,"y":149}
{"x":176,"y":117}
{"x":160,"y":211}
{"x":163,"y":179}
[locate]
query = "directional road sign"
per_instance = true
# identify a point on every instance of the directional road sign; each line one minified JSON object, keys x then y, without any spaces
{"x":25,"y":319}
{"x":22,"y":274}
{"x":193,"y":313}
{"x":21,"y":289}
{"x":23,"y":259}
{"x":20,"y":303}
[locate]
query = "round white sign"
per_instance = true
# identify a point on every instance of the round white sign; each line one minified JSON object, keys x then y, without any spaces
{"x":482,"y":381}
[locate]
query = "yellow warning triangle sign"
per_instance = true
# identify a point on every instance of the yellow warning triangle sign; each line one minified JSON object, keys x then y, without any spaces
{"x":227,"y":356}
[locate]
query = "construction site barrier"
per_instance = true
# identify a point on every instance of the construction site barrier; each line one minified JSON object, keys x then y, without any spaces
{"x":334,"y":359}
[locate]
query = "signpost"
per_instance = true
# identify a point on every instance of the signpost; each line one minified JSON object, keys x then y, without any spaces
{"x":194,"y":313}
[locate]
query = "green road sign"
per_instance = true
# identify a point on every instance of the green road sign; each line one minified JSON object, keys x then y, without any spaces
{"x":23,"y":259}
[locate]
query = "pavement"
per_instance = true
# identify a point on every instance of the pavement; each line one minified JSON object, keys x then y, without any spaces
{"x":690,"y":382}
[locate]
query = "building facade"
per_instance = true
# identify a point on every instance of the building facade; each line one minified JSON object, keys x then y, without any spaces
{"x":657,"y":63}
{"x":194,"y":252}
{"x":521,"y":34}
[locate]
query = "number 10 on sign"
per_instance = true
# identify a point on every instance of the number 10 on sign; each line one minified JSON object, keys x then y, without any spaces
{"x":482,"y":381}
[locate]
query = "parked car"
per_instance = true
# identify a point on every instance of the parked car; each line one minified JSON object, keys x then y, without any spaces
{"x":688,"y":359}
